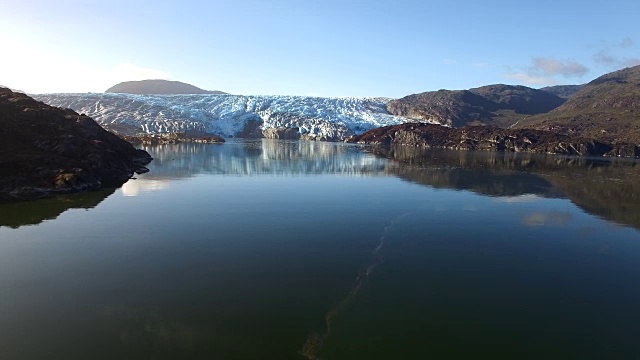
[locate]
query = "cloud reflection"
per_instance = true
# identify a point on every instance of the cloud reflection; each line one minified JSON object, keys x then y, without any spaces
{"x":137,"y":186}
{"x":519,"y":199}
{"x":546,"y":218}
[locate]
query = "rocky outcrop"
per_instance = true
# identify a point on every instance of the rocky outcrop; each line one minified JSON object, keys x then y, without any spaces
{"x":282,"y":133}
{"x":625,"y":150}
{"x":47,"y":150}
{"x":252,"y":129}
{"x":490,"y":139}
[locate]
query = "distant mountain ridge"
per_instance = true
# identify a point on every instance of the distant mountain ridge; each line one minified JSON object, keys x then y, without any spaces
{"x":498,"y":105}
{"x":12,"y":89}
{"x":563,"y":91}
{"x":607,"y":108}
{"x":158,"y":87}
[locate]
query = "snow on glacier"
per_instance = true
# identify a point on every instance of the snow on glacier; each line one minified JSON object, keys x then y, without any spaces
{"x":226,"y":115}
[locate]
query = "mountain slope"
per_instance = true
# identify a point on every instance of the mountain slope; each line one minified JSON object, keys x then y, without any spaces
{"x":563,"y":91}
{"x":497,"y":105}
{"x":607,"y":108}
{"x":146,"y":87}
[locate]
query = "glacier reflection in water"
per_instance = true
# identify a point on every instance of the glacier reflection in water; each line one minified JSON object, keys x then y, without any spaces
{"x":263,"y":157}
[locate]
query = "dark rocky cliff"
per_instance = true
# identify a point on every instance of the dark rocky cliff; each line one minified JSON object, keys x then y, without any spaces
{"x":47,"y":150}
{"x":491,"y":139}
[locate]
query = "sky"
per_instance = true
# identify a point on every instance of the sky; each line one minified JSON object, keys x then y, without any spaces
{"x":316,"y":48}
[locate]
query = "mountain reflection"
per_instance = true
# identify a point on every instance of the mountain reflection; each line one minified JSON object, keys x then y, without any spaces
{"x":609,"y":188}
{"x":606,"y":187}
{"x":261,"y":157}
{"x":37,"y":211}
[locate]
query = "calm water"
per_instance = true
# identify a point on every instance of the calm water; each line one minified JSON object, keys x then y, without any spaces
{"x":293,"y":250}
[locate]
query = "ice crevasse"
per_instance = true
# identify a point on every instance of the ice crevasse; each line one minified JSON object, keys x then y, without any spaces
{"x":228,"y":115}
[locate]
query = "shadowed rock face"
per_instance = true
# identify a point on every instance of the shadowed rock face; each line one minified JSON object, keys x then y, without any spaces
{"x":491,"y":139}
{"x":47,"y":150}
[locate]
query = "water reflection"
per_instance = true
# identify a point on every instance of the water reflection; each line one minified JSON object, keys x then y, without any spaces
{"x":261,"y":157}
{"x":607,"y":187}
{"x":37,"y":211}
{"x":247,"y":250}
{"x":546,"y":218}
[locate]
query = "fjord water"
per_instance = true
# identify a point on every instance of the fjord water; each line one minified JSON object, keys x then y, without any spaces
{"x":268,"y":249}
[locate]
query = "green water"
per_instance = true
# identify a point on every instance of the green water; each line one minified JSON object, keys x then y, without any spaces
{"x":290,"y":250}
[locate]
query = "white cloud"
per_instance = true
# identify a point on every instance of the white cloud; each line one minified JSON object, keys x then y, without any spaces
{"x":529,"y":79}
{"x":626,"y":42}
{"x":138,"y":186}
{"x":545,"y":70}
{"x":518,"y":199}
{"x":555,"y":218}
{"x":630,"y":62}
{"x":131,"y":72}
{"x":37,"y":66}
{"x":603,"y":57}
{"x":70,"y":75}
{"x":613,"y":55}
{"x":481,"y":65}
{"x":550,"y":67}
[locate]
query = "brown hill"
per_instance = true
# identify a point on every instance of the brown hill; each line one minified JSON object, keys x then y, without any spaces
{"x":607,"y":108}
{"x":154,"y":87}
{"x":47,"y":150}
{"x":497,"y":105}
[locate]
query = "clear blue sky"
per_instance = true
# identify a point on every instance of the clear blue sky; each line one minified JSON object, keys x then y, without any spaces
{"x":307,"y":47}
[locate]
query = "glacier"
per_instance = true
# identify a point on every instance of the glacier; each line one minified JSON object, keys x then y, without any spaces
{"x":229,"y":115}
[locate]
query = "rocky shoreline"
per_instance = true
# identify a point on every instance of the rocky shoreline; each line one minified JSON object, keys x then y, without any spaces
{"x":48,"y":151}
{"x":491,"y":139}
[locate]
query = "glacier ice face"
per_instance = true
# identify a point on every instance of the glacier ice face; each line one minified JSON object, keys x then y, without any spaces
{"x":227,"y":115}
